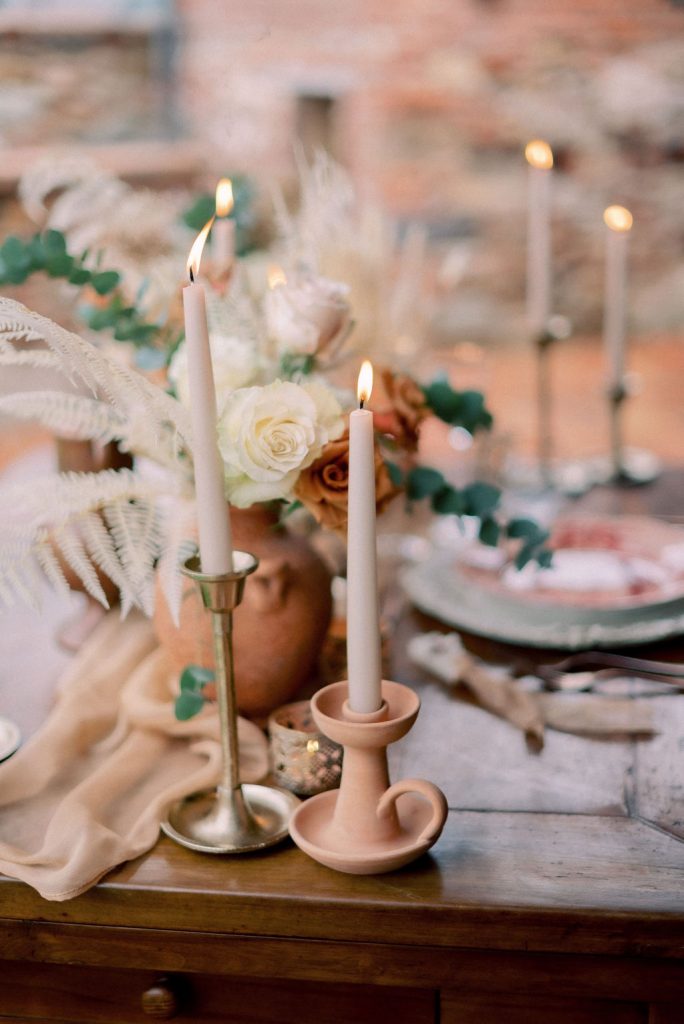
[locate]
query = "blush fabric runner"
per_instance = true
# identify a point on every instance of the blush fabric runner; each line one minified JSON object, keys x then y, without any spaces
{"x":89,"y":788}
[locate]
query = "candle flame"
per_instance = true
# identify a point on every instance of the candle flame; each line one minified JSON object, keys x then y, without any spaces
{"x":539,"y":154}
{"x":276,"y":276}
{"x":195,"y":256}
{"x":617,"y":218}
{"x":365,"y":384}
{"x":224,"y":197}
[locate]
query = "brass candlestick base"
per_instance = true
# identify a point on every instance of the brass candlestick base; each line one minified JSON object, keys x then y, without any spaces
{"x":368,"y":827}
{"x":231,"y":818}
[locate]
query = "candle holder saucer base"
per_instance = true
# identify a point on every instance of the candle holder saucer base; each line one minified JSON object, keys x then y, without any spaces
{"x":241,"y":821}
{"x":310,"y":829}
{"x":368,"y":827}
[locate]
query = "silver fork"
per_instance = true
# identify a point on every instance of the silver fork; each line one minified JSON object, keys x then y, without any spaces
{"x":563,"y":675}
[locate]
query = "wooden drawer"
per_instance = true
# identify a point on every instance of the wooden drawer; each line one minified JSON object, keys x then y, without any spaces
{"x":492,"y":1008}
{"x":47,"y":992}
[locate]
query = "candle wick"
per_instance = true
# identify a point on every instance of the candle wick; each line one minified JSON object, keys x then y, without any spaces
{"x":361,"y":401}
{"x":192,"y":276}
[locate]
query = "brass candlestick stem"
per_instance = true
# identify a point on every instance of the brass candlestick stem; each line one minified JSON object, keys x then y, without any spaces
{"x":544,"y":407}
{"x":233,"y":818}
{"x":616,"y":396}
{"x":628,"y":466}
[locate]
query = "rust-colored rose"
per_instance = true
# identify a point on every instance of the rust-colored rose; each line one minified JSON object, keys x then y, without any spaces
{"x":323,"y":488}
{"x":399,"y":407}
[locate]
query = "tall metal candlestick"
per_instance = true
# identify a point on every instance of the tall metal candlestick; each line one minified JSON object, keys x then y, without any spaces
{"x":233,"y":818}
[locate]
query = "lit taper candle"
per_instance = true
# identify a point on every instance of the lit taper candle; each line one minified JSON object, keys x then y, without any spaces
{"x":223,"y":232}
{"x":618,"y":222}
{"x":213,"y":522}
{"x":363,"y":619}
{"x":540,"y":159}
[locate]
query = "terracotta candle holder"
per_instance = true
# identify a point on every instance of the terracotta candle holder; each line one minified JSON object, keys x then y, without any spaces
{"x":364,"y":828}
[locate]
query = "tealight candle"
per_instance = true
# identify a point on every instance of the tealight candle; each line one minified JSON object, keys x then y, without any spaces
{"x":223,"y":231}
{"x":539,"y":156}
{"x":363,"y":619}
{"x":618,"y":222}
{"x":213,"y":521}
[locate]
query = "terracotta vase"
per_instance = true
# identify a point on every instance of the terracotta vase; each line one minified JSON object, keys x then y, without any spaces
{"x":279,"y":628}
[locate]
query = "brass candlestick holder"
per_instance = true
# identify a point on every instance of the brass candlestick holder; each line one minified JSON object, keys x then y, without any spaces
{"x":367,"y":826}
{"x":233,"y":818}
{"x":630,"y":466}
{"x":557,"y":328}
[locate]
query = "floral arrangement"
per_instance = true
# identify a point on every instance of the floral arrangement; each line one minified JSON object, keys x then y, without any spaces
{"x":281,"y":355}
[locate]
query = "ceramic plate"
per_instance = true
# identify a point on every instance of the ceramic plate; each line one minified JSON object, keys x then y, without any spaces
{"x":616,"y":582}
{"x":10,"y":738}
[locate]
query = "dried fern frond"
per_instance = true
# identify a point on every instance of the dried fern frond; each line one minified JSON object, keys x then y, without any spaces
{"x":53,"y":173}
{"x":178,"y":521}
{"x":62,"y":514}
{"x":73,"y":416}
{"x":130,"y":394}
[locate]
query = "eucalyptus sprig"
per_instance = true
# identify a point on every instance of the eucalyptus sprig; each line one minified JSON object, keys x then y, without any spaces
{"x":47,"y":252}
{"x":191,"y":698}
{"x":465,"y":409}
{"x":480,"y":500}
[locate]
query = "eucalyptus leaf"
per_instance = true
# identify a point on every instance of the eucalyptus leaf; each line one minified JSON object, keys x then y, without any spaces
{"x":490,"y":531}
{"x":54,"y":243}
{"x":481,"y":499}
{"x":105,"y":281}
{"x":187,"y":705}
{"x":79,"y":275}
{"x":195,"y":677}
{"x":448,"y":501}
{"x":423,"y":482}
{"x":395,"y":472}
{"x":60,"y":265}
{"x":15,"y":255}
{"x":524,"y":528}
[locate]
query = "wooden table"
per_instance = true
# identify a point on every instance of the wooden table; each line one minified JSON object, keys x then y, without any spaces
{"x":556,"y":894}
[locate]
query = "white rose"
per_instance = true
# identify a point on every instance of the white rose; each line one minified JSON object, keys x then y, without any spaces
{"x":268,"y":434}
{"x":306,"y":315}
{"x":235,"y":364}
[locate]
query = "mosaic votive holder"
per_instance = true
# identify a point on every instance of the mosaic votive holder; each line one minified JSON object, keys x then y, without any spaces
{"x":303,"y":760}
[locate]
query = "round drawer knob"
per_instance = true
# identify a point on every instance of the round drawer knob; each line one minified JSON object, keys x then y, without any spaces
{"x":160,"y":1001}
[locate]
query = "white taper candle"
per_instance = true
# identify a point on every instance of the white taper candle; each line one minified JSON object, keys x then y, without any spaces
{"x":213,"y":521}
{"x":540,"y":159}
{"x":223,"y":231}
{"x":363,"y":618}
{"x":618,"y":223}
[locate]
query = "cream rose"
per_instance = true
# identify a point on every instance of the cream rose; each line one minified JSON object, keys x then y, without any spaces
{"x":234,"y":361}
{"x":269,"y":434}
{"x":307,"y":314}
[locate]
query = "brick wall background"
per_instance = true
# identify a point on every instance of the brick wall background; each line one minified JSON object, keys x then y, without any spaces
{"x":430,"y":102}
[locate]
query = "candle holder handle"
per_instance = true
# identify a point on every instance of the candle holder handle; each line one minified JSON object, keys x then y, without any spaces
{"x":368,"y":827}
{"x":432,"y":793}
{"x":233,"y":818}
